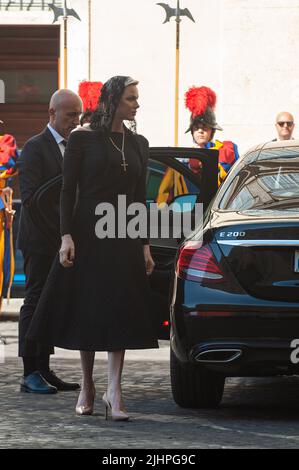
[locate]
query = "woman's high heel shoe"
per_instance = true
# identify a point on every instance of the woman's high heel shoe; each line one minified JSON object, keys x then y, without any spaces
{"x":88,"y":408}
{"x":115,"y":415}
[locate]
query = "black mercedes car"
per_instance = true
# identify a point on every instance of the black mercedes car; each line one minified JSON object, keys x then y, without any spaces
{"x":235,"y":293}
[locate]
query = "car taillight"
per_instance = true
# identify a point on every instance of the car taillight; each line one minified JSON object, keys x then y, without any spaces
{"x":198,"y":263}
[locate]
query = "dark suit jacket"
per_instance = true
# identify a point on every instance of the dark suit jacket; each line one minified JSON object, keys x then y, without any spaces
{"x":40,"y":161}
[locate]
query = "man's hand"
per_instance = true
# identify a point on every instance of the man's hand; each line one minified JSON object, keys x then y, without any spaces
{"x":67,"y":252}
{"x":149,"y":262}
{"x":6,"y":195}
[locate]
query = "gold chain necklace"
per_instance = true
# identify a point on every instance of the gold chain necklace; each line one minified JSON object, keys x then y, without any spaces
{"x":124,"y":164}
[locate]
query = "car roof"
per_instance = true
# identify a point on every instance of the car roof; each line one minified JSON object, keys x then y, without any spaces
{"x":273,"y":145}
{"x":258,"y":152}
{"x":254,"y":154}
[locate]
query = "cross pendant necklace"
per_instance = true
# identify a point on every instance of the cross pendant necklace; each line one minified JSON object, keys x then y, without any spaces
{"x":124,"y":163}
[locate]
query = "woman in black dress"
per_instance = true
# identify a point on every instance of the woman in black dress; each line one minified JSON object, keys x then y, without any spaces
{"x":96,"y":298}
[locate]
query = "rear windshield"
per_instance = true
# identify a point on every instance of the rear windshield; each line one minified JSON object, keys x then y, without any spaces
{"x":266,"y":183}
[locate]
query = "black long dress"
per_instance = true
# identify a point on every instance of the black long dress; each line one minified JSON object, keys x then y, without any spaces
{"x":102,"y":302}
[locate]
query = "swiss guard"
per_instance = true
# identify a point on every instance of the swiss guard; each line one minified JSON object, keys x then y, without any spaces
{"x":203,"y":126}
{"x":201,"y":103}
{"x":8,"y":159}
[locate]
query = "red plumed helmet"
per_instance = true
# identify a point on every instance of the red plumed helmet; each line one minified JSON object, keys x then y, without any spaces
{"x":90,"y":93}
{"x":8,"y":151}
{"x":201,"y":101}
{"x":198,"y":99}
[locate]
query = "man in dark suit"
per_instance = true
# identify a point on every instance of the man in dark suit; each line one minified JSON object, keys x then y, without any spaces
{"x":40,"y":161}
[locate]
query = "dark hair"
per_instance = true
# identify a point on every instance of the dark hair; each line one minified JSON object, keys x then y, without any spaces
{"x":111,"y":94}
{"x":85,"y":117}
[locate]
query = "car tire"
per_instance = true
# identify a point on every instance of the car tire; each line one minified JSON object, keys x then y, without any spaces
{"x":194,"y":386}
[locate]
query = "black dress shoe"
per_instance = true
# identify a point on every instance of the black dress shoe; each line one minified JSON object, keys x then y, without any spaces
{"x":52,"y":379}
{"x":35,"y":383}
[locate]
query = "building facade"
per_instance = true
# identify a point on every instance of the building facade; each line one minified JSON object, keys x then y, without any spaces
{"x":245,"y":50}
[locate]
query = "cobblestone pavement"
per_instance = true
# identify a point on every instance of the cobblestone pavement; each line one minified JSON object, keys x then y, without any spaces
{"x":255,"y":413}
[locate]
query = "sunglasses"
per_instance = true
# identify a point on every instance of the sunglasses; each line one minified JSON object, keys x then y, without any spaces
{"x":288,"y":123}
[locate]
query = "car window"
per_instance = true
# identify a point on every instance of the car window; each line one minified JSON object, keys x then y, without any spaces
{"x":164,"y":183}
{"x":267,"y":184}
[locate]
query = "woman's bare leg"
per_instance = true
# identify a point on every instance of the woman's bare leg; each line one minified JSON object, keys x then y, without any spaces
{"x":115,"y":368}
{"x":87,"y":388}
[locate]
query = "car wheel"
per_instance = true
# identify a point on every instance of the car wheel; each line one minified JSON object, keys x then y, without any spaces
{"x":193,"y":386}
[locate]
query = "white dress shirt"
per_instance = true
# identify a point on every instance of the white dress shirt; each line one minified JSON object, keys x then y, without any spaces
{"x":59,"y":139}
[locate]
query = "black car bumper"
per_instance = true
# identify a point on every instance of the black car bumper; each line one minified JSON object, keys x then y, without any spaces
{"x":236,"y":335}
{"x":247,"y":357}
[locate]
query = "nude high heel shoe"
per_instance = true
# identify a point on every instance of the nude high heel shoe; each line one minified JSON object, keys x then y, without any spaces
{"x":119,"y":415}
{"x":88,"y":408}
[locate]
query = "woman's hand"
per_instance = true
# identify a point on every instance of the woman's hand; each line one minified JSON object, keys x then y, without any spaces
{"x":149,"y":262}
{"x":67,"y":251}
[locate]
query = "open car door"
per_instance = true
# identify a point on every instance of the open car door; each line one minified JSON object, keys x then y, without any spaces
{"x":173,"y":174}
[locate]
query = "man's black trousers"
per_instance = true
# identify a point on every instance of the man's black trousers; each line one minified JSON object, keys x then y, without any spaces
{"x":36,"y":267}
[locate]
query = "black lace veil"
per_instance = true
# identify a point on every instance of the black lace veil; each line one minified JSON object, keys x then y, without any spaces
{"x":110,"y":97}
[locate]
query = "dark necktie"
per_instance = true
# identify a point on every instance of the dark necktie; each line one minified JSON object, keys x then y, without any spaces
{"x":64,"y":142}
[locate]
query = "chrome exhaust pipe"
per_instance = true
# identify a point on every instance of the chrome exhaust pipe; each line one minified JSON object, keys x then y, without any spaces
{"x":218,"y":355}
